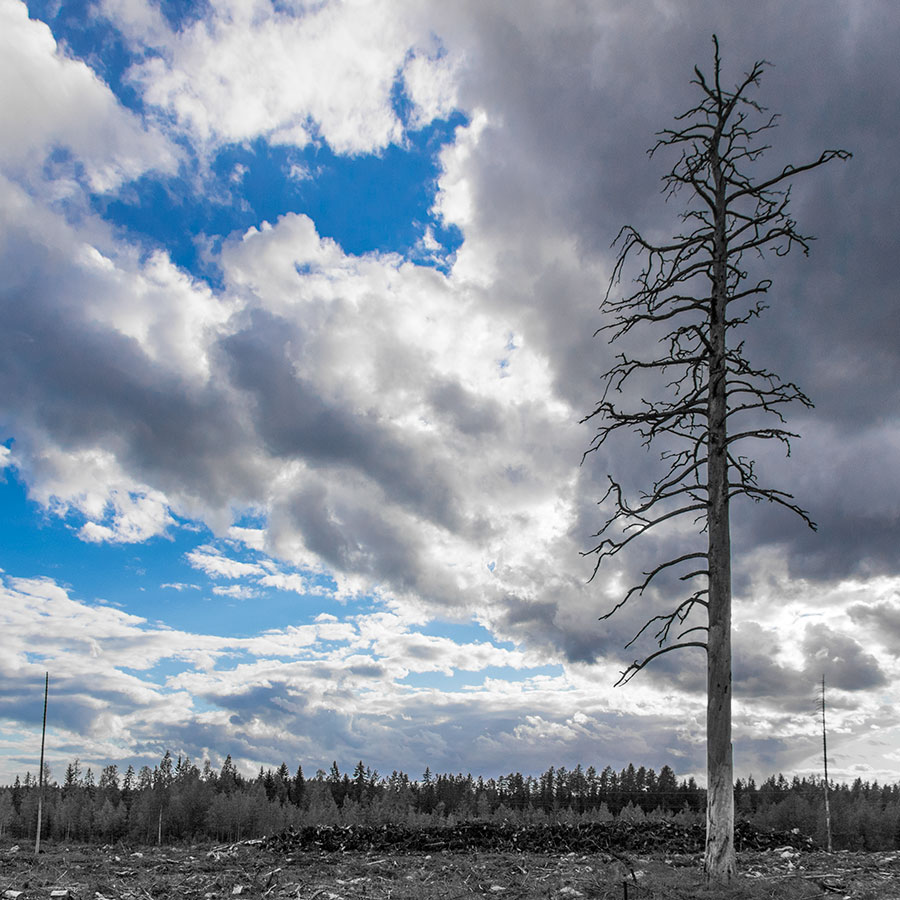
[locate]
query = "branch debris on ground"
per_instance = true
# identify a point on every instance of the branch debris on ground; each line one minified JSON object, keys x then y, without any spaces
{"x":278,"y":868}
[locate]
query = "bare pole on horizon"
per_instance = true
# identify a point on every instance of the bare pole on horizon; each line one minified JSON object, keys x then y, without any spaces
{"x":40,"y":810}
{"x":825,"y":761}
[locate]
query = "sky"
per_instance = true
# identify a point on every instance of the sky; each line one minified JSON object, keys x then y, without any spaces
{"x":298,"y":307}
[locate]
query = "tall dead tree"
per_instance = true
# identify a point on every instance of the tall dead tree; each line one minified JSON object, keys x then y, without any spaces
{"x":692,"y":293}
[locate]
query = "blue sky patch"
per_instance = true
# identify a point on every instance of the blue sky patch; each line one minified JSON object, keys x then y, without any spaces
{"x":462,"y":678}
{"x":377,"y":203}
{"x":75,"y":25}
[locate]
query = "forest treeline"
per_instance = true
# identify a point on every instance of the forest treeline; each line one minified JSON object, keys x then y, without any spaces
{"x":178,"y":801}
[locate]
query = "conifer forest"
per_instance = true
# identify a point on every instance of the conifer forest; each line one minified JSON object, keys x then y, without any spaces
{"x":178,"y":801}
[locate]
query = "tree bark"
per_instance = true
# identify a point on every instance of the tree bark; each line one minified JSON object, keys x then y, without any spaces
{"x":719,"y":860}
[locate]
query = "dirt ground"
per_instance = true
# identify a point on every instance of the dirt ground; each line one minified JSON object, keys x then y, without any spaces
{"x":246,"y":871}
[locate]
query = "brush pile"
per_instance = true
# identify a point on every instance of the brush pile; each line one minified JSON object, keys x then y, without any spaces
{"x":606,"y":837}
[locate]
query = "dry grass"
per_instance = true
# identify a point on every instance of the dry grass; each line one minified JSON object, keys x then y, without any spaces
{"x":242,"y":871}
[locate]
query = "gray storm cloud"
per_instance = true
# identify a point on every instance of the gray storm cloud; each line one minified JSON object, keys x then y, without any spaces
{"x":376,"y":411}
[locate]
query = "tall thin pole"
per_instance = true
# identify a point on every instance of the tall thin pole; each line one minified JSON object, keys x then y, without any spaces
{"x":825,"y":761}
{"x":37,"y":837}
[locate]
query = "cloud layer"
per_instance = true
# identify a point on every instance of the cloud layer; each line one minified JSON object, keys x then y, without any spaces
{"x":411,"y":435}
{"x":379,"y":687}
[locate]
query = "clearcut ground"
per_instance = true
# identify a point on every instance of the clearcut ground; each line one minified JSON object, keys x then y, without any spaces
{"x":246,"y":871}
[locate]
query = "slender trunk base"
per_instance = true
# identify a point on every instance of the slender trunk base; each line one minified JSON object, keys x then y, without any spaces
{"x":719,"y":861}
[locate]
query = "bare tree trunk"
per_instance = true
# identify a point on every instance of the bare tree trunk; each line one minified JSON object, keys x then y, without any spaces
{"x":719,"y":861}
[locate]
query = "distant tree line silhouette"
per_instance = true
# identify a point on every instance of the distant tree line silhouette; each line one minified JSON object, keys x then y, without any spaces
{"x":179,"y":801}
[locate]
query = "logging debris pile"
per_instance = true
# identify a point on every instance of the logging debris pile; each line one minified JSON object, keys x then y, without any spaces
{"x":597,"y":837}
